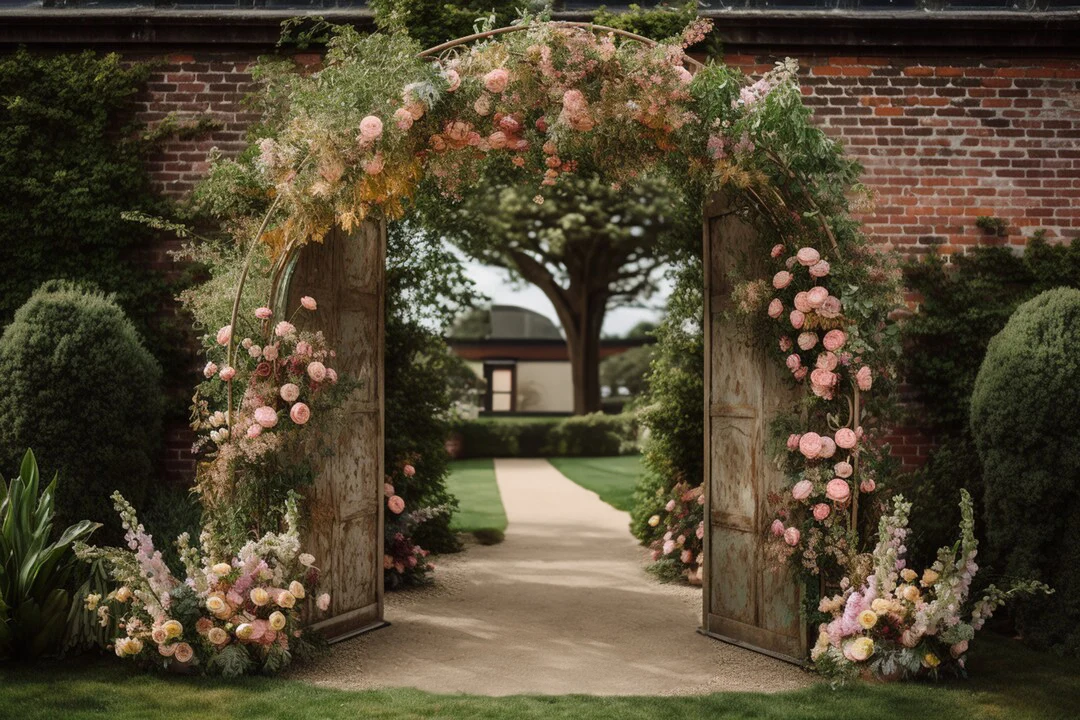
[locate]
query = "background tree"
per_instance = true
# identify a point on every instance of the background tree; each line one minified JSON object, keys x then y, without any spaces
{"x":588,"y":247}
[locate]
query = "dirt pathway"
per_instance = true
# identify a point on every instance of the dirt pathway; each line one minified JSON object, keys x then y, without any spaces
{"x":562,"y":606}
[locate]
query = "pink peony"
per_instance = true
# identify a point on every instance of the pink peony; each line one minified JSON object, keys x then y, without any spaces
{"x":808,"y":257}
{"x":266,"y":416}
{"x":396,"y":504}
{"x":270,"y":352}
{"x":316,"y":371}
{"x":802,"y":490}
{"x":388,"y":489}
{"x":843,"y":469}
{"x":816,"y":296}
{"x":224,"y":335}
{"x":496,"y":80}
{"x":228,"y":373}
{"x":821,"y":511}
{"x":800,"y":374}
{"x":793,"y":362}
{"x":453,"y":80}
{"x":781,"y":279}
{"x":210,"y":370}
{"x":289,"y":392}
{"x":331,"y":375}
{"x":409,"y":470}
{"x":370,"y":128}
{"x":830,"y":309}
{"x":864,"y":378}
{"x":254,"y":431}
{"x":323,"y":603}
{"x":300,"y":413}
{"x":793,"y":442}
{"x":823,"y":383}
{"x":776,"y":251}
{"x":777,"y":527}
{"x":776,"y":308}
{"x":845,"y":438}
{"x":791,"y":536}
{"x":403,"y":119}
{"x":820,"y":269}
{"x":807,"y":340}
{"x":834,"y":340}
{"x":797,"y":319}
{"x":828,"y":447}
{"x":802,"y":302}
{"x":810,"y":445}
{"x":785,"y":343}
{"x":827,"y":361}
{"x":838,"y":490}
{"x":868,"y":485}
{"x":264,"y":313}
{"x":284,"y":328}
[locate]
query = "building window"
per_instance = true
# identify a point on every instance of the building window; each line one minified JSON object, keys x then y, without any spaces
{"x":500,"y":382}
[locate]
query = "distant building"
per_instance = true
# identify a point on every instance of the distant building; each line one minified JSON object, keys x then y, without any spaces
{"x":525,"y":363}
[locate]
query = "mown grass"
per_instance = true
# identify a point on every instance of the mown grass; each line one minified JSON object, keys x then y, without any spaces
{"x":480,"y":508}
{"x":1009,"y":682}
{"x":612,"y":478}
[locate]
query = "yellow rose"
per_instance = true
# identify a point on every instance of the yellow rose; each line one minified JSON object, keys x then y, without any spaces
{"x":244,"y":631}
{"x":931,"y":660}
{"x":277,"y":620}
{"x":216,"y":604}
{"x":123,"y":593}
{"x":217,"y":636}
{"x":860,"y":649}
{"x":259,"y":596}
{"x":297,"y":589}
{"x":908,"y":574}
{"x":930,"y":577}
{"x":654,"y":521}
{"x":172,"y":628}
{"x":286,"y":599}
{"x":911,"y":593}
{"x":867,"y":619}
{"x":221,"y":569}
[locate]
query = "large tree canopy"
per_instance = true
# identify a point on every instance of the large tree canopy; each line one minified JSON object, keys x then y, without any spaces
{"x":588,"y":246}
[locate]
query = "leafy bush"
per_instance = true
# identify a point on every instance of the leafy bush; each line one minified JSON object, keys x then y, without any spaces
{"x":579,"y":436}
{"x":1026,"y":425}
{"x":81,"y":388}
{"x":432,"y":22}
{"x":34,"y":572}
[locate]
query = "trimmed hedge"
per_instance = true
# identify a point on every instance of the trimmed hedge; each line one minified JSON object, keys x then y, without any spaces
{"x":593,"y":435}
{"x":1025,"y":418}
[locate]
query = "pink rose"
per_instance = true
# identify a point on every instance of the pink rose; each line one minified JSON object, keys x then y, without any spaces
{"x":830,"y":308}
{"x":403,"y":119}
{"x":838,"y":490}
{"x":776,"y":308}
{"x":793,"y":442}
{"x":266,"y":416}
{"x":370,"y":128}
{"x":284,"y":328}
{"x":496,"y":80}
{"x":822,"y":382}
{"x":828,"y":447}
{"x":816,"y":296}
{"x":821,"y":511}
{"x":224,"y":335}
{"x":834,"y":340}
{"x":309,"y":303}
{"x":793,"y":362}
{"x":827,"y":361}
{"x":808,"y":256}
{"x":304,"y":348}
{"x":375,"y":165}
{"x":687,"y":557}
{"x":868,"y":485}
{"x":802,"y":302}
{"x":228,"y":373}
{"x":797,"y":319}
{"x":323,"y":603}
{"x":300,"y":413}
{"x":791,"y":536}
{"x":802,"y":490}
{"x":183,"y":653}
{"x":670,"y":505}
{"x":800,"y":374}
{"x":388,"y":489}
{"x":262,"y":369}
{"x":776,"y":251}
{"x":959,"y":648}
{"x":669,"y":547}
{"x":254,"y":431}
{"x":864,"y":378}
{"x":396,"y":504}
{"x":845,"y":438}
{"x":409,"y":470}
{"x":820,"y":269}
{"x":810,"y":445}
{"x":843,"y":469}
{"x":264,"y":313}
{"x":331,"y":375}
{"x":781,"y":279}
{"x":807,"y":340}
{"x":316,"y":371}
{"x":777,"y":527}
{"x":210,"y":370}
{"x":289,"y":392}
{"x":453,"y":80}
{"x":785,"y":343}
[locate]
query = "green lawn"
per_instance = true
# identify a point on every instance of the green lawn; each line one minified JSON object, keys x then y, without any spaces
{"x":480,"y":507}
{"x":612,"y":478}
{"x":1011,"y":683}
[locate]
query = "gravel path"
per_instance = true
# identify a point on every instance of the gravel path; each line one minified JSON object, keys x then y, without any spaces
{"x":562,"y":606}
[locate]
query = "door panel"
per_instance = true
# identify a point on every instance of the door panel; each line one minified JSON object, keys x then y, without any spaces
{"x":746,"y":602}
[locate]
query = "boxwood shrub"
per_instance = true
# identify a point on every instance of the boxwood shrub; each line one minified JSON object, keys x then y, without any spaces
{"x":580,"y":436}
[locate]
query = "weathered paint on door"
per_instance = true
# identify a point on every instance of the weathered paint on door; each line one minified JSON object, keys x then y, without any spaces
{"x":346,"y":276}
{"x":746,"y":602}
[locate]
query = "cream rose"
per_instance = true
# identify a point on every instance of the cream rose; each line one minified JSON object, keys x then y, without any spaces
{"x":244,"y":631}
{"x":286,"y":599}
{"x":222,"y":568}
{"x":217,"y":636}
{"x":259,"y":596}
{"x":172,"y":628}
{"x":277,"y":620}
{"x":297,"y":589}
{"x":868,"y":619}
{"x":216,"y":604}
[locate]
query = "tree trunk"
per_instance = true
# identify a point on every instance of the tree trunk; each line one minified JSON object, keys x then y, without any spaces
{"x":583,"y":344}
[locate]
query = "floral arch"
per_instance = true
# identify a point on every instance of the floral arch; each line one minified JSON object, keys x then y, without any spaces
{"x":796,"y":299}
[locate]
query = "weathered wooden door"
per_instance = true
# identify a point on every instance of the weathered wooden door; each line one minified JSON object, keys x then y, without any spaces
{"x":346,"y":276}
{"x":746,"y":602}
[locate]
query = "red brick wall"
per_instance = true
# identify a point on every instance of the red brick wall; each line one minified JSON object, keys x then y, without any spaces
{"x":943,"y":141}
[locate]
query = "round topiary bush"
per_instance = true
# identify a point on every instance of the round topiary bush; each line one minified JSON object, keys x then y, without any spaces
{"x":84,"y":393}
{"x":1025,"y":418}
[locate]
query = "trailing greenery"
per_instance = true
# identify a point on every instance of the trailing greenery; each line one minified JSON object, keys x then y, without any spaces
{"x":35,"y":566}
{"x":80,"y":388}
{"x":1027,"y":429}
{"x":578,"y":436}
